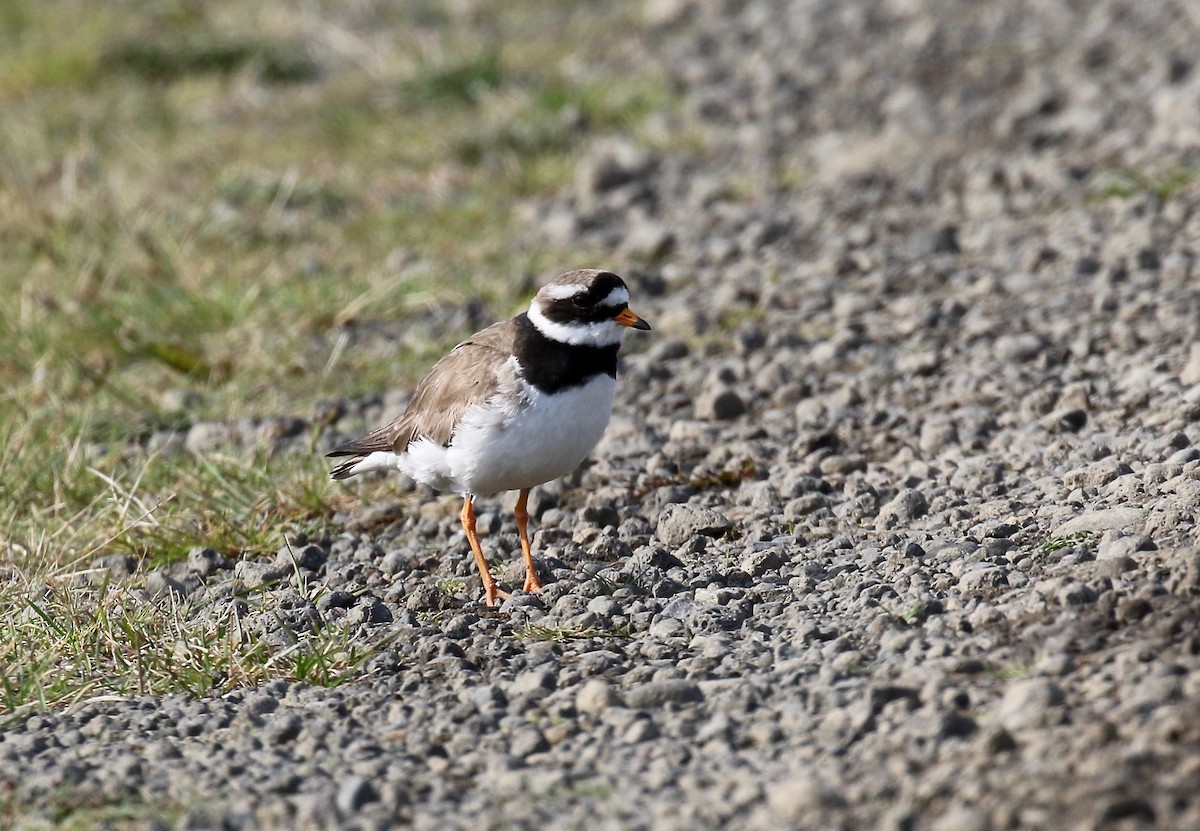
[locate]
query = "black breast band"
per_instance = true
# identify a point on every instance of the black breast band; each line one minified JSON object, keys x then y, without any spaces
{"x":552,"y":366}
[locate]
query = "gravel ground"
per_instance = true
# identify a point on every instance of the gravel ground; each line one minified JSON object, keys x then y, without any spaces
{"x":894,"y":526}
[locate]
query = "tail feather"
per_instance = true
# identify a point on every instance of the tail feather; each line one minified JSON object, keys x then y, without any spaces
{"x":346,"y":469}
{"x":370,"y":452}
{"x":376,"y":440}
{"x":361,"y":463}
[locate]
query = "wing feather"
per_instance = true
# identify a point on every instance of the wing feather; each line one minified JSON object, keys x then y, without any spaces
{"x":470,"y":374}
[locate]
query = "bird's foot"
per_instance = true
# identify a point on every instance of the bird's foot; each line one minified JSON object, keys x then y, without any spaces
{"x":493,"y":594}
{"x":532,"y":583}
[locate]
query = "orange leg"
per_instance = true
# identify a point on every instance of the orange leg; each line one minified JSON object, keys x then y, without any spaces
{"x":490,"y":591}
{"x":532,"y":583}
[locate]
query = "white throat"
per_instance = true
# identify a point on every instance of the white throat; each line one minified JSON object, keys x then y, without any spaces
{"x":599,"y":333}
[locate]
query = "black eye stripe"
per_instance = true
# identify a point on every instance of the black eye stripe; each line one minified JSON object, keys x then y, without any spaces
{"x":566,"y":311}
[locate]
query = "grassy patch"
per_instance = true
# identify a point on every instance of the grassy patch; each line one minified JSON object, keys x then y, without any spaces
{"x":172,"y":58}
{"x":723,"y":480}
{"x":914,"y":613}
{"x":561,"y":634}
{"x":79,"y":635}
{"x":83,"y":809}
{"x":1124,"y":183}
{"x":156,"y":509}
{"x":582,"y":789}
{"x":466,"y":80}
{"x":451,"y":586}
{"x":1015,"y":672}
{"x":1058,"y":543}
{"x":222,"y":212}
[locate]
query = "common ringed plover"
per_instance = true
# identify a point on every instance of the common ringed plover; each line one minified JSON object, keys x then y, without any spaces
{"x":518,"y":404}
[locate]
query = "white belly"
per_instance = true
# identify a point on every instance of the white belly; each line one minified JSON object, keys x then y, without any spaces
{"x":498,"y":448}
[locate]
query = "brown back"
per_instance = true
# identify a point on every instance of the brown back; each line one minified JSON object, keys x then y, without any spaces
{"x":470,"y":374}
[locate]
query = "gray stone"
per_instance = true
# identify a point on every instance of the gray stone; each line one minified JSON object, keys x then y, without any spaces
{"x":1114,"y":519}
{"x":205,"y":562}
{"x":210,"y":437}
{"x":426,"y":598}
{"x":983,"y":577}
{"x":284,"y":729}
{"x":719,"y":403}
{"x":1189,"y":375}
{"x":800,"y":797}
{"x":612,"y":166}
{"x":699,"y":617}
{"x":668,"y":627}
{"x":678,"y":523}
{"x":938,"y":435}
{"x":527,"y":741}
{"x":161,"y":584}
{"x":533,"y":682}
{"x":307,"y":557}
{"x":758,"y":563}
{"x":962,"y":818}
{"x":1019,"y":348}
{"x":1031,"y":702}
{"x":642,"y":730}
{"x":336,"y":599}
{"x":354,"y":793}
{"x":905,"y":507}
{"x":116,"y":566}
{"x":1184,"y":577}
{"x":662,"y":693}
{"x":996,"y":739}
{"x":596,"y":696}
{"x":1074,"y":593}
{"x":260,"y":704}
{"x":252,"y":573}
{"x":1096,"y":474}
{"x":664,"y":13}
{"x":1124,"y":547}
{"x":522,"y":600}
{"x":369,"y":611}
{"x":649,"y":240}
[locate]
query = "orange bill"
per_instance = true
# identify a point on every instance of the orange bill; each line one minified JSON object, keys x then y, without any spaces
{"x":628,"y":318}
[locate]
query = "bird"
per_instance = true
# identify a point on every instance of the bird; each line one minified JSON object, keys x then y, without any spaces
{"x":518,"y":404}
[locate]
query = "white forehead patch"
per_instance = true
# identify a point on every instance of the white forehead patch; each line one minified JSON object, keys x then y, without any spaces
{"x":564,"y":292}
{"x":617,"y":297}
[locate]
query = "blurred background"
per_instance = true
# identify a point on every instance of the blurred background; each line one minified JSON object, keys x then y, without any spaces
{"x":923,"y":281}
{"x":199,"y":198}
{"x":220,"y":221}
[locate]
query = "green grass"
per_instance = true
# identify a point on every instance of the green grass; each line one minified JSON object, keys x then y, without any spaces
{"x":1016,"y":672}
{"x":451,"y":585}
{"x":582,"y":789}
{"x":561,"y":634}
{"x":169,"y":59}
{"x":914,"y":613}
{"x":1058,"y":543}
{"x":83,"y":809}
{"x":466,"y":80}
{"x":77,"y":634}
{"x":1124,"y":183}
{"x":225,"y":204}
